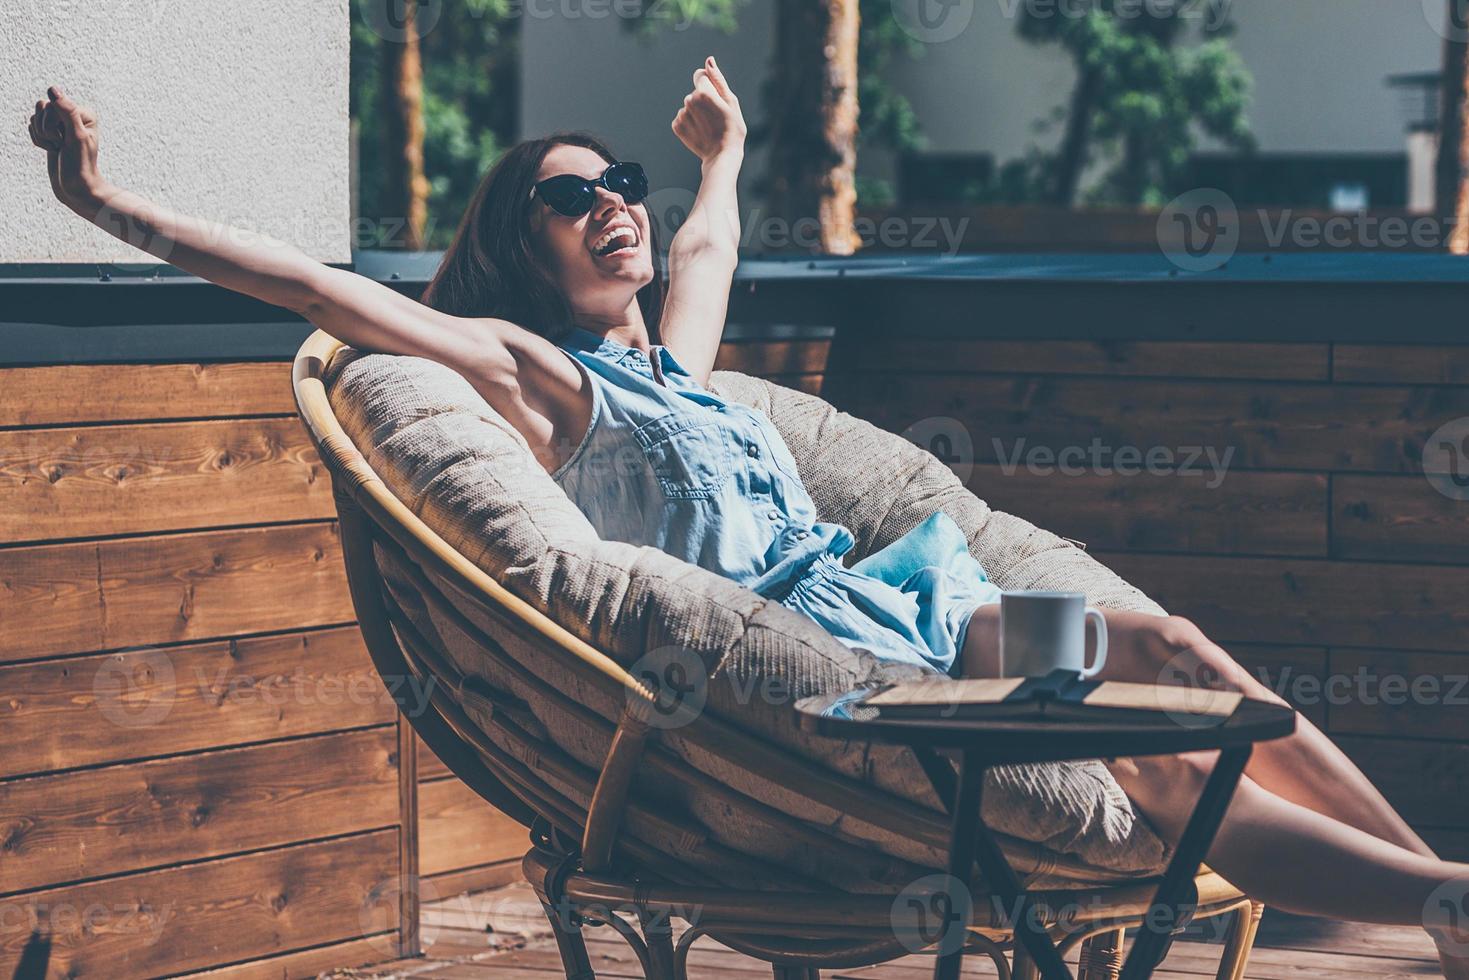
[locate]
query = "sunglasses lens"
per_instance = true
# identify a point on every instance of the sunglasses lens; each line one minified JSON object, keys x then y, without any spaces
{"x":628,"y":180}
{"x":568,"y":194}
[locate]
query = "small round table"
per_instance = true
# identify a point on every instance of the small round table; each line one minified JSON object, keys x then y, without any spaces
{"x":1014,"y":740}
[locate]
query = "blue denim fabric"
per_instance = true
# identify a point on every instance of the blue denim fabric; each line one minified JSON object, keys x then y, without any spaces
{"x":668,"y":464}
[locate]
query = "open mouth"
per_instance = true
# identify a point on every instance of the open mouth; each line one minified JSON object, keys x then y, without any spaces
{"x":620,"y":239}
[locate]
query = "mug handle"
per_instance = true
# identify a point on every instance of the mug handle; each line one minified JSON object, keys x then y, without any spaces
{"x":1094,"y":616}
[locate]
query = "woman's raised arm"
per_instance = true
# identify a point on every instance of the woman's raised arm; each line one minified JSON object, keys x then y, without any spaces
{"x":353,"y":308}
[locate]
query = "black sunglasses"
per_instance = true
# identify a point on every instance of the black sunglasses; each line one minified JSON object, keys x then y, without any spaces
{"x":574,"y":196}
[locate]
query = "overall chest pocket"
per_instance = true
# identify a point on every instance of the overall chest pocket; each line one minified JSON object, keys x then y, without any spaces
{"x":691,"y":455}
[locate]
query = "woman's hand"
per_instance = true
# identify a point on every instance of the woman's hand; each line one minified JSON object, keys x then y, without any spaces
{"x":710,"y":123}
{"x":68,"y":133}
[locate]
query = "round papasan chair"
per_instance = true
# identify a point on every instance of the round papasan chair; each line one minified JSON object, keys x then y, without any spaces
{"x":476,"y":579}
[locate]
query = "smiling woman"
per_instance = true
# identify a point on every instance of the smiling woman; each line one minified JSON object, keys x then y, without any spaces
{"x":555,"y":331}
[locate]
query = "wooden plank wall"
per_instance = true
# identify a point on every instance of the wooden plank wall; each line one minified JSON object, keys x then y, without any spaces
{"x":1324,"y":558}
{"x":199,"y":769}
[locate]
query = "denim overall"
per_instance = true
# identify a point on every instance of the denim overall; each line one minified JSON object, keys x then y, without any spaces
{"x":668,"y":464}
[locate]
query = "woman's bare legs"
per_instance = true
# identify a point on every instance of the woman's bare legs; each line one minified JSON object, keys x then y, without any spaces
{"x":1305,"y":768}
{"x":1306,"y":831}
{"x":1293,"y":858}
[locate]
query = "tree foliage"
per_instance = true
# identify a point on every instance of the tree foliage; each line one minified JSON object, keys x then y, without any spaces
{"x":1142,"y":95}
{"x":470,"y":106}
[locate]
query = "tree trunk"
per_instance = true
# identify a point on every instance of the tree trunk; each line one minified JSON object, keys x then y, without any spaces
{"x":1071,"y":157}
{"x":813,"y":128}
{"x":406,"y":186}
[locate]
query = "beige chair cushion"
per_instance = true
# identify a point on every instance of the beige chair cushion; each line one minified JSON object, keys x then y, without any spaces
{"x":442,"y":450}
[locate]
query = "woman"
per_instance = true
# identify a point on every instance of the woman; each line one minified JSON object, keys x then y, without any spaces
{"x":548,"y":303}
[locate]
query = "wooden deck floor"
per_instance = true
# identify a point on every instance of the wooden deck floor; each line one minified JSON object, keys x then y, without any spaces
{"x":502,"y":934}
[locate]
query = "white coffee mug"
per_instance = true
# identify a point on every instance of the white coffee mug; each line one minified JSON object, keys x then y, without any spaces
{"x":1045,"y":631}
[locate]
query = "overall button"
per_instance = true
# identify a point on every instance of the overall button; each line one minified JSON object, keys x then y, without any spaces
{"x":753,"y":451}
{"x":802,"y":535}
{"x":773,"y":514}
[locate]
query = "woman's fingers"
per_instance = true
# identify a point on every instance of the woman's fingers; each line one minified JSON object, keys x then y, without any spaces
{"x":720,"y":82}
{"x":702,"y":83}
{"x":73,"y":118}
{"x":40,"y":136}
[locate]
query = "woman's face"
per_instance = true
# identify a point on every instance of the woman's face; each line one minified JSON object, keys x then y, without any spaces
{"x":598,"y":274}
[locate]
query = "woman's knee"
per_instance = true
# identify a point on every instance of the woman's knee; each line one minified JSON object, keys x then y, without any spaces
{"x":1184,"y":656}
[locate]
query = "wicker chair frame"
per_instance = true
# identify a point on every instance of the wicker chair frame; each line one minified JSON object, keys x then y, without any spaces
{"x":585,"y":868}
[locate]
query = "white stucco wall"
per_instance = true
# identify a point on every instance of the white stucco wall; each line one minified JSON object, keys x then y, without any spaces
{"x":231,"y":111}
{"x":1319,"y":68}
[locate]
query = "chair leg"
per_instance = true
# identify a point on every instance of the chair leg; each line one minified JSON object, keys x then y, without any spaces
{"x":571,"y":945}
{"x":658,"y":934}
{"x":1244,"y":923}
{"x":1101,"y":956}
{"x":1022,"y":967}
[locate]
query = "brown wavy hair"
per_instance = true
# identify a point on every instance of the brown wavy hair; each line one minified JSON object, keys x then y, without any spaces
{"x":491,"y":268}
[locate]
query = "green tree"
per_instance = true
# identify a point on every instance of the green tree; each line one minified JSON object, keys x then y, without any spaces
{"x":469,"y":103}
{"x":1140,"y":94}
{"x":468,"y":98}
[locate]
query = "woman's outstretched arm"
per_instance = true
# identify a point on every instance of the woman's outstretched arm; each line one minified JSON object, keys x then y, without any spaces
{"x":353,"y":308}
{"x":703,"y":255}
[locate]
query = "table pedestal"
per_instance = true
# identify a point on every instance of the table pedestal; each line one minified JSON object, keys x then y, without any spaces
{"x":971,"y":840}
